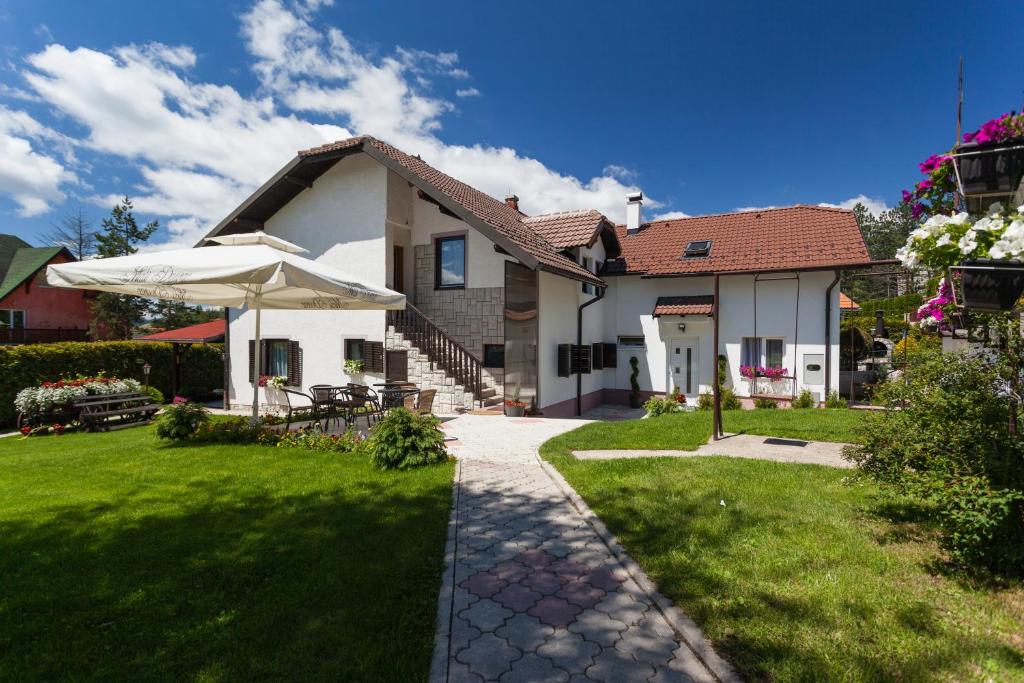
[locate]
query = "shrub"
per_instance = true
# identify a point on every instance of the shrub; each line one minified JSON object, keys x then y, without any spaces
{"x":765,"y":404}
{"x":155,"y":394}
{"x":804,"y":400}
{"x":182,"y":420}
{"x":729,"y":401}
{"x":30,"y":365}
{"x":834,"y":400}
{"x":402,"y":440}
{"x":943,"y":440}
{"x":661,"y":406}
{"x":234,"y":430}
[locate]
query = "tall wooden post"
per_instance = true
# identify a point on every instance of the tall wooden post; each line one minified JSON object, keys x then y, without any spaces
{"x":716,"y":411}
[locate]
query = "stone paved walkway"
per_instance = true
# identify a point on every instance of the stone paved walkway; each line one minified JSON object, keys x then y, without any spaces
{"x":532,"y":592}
{"x":743,"y":446}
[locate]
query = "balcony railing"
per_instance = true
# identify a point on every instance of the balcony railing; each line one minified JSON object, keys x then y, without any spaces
{"x":30,"y":335}
{"x":783,"y":387}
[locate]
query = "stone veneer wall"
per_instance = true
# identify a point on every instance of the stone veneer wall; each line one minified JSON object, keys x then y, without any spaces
{"x":473,"y":316}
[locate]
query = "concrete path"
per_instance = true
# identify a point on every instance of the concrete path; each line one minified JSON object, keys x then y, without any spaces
{"x":744,"y":446}
{"x":535,"y":588}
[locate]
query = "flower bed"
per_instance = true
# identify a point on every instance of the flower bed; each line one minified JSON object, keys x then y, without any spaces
{"x":49,"y":398}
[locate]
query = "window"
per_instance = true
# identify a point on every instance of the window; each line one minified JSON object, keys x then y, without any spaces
{"x":494,"y":356}
{"x":773,"y":351}
{"x":450,"y":262}
{"x":12,"y":317}
{"x":635,"y":342}
{"x":765,"y":352}
{"x":354,"y":349}
{"x":278,"y":357}
{"x":588,"y":264}
{"x":697,"y":248}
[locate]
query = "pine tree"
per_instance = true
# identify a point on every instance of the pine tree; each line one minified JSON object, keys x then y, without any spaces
{"x":118,"y":314}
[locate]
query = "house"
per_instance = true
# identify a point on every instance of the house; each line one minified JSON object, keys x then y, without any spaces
{"x":31,"y":310}
{"x":550,"y":308}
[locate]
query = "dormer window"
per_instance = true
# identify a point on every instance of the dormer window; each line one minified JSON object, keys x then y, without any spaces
{"x":697,"y":248}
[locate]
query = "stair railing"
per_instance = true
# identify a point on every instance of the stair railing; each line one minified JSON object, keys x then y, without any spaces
{"x":440,"y":348}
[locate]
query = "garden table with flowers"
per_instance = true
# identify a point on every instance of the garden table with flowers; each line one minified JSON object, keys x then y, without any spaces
{"x":89,"y":401}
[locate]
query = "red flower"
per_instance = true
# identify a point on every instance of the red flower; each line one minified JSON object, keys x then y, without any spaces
{"x":26,"y":430}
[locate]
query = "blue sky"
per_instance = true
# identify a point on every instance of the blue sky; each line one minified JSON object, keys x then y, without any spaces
{"x":707,"y":107}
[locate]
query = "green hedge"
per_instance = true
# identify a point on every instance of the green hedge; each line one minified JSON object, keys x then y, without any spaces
{"x":202,"y":366}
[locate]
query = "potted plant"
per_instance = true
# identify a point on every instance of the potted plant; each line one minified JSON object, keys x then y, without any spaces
{"x":989,"y":284}
{"x":515,"y":407}
{"x":272,"y":389}
{"x":634,"y":383}
{"x":353,"y":367}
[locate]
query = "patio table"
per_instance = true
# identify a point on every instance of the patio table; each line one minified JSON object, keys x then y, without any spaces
{"x":393,"y":395}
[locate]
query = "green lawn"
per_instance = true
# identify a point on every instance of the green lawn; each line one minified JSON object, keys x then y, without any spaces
{"x":798,"y":576}
{"x":686,"y":431}
{"x":125,"y":559}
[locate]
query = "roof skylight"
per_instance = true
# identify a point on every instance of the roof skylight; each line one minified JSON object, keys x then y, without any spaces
{"x":697,"y":248}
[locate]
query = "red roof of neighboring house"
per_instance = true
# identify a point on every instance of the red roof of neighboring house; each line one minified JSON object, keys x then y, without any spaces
{"x":684,"y":305}
{"x":193,"y":334}
{"x":792,"y":238}
{"x":847,"y":304}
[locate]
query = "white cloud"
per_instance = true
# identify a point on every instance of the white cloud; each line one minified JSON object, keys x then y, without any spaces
{"x":202,"y":147}
{"x":746,"y":209}
{"x":873,"y":204}
{"x":31,"y":178}
{"x":669,"y":216}
{"x":467,"y":92}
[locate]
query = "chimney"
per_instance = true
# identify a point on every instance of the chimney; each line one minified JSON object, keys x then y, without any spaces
{"x":512,"y":201}
{"x":634,"y":201}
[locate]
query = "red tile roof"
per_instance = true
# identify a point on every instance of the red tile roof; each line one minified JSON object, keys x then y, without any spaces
{"x":792,"y":238}
{"x":847,"y":304}
{"x":505,"y":220}
{"x":567,"y":229}
{"x":684,"y":305}
{"x":193,"y":334}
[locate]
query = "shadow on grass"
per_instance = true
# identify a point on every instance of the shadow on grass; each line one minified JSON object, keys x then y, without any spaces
{"x":330,"y":584}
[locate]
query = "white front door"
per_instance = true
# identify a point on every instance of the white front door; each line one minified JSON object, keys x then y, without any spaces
{"x":683,"y":367}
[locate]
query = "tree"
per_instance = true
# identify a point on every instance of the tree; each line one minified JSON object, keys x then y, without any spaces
{"x":886,"y":232}
{"x":75,"y":232}
{"x":169,"y":314}
{"x":117,"y":315}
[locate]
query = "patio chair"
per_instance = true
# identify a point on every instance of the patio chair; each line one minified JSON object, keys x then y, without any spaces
{"x":297,"y":407}
{"x":323,"y":396}
{"x":367,"y":399}
{"x":426,"y":402}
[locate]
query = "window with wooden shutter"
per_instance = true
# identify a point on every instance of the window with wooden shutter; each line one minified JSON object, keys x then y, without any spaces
{"x":581,"y":359}
{"x":597,"y":355}
{"x":294,"y":373}
{"x":564,"y":360}
{"x":373,"y":356}
{"x":611,"y":355}
{"x":252,"y":359}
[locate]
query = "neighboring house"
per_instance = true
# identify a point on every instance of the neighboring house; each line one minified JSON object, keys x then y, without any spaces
{"x":550,"y":307}
{"x":31,"y":310}
{"x":847,"y":304}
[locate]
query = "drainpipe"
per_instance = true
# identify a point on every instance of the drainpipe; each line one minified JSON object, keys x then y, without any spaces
{"x":579,"y":342}
{"x":828,"y":335}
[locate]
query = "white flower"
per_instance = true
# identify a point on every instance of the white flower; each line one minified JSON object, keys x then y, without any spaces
{"x":959,"y":219}
{"x":920,"y":233}
{"x":983,"y":224}
{"x":995,"y":209}
{"x":943,"y":240}
{"x":968,"y":242}
{"x":1020,"y":209}
{"x":999,"y":250}
{"x":1014,"y":231}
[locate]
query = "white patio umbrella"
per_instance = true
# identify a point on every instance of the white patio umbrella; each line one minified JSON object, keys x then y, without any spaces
{"x":251,"y":269}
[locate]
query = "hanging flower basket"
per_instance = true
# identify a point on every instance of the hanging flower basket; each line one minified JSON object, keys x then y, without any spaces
{"x":993,"y":167}
{"x":988,"y":284}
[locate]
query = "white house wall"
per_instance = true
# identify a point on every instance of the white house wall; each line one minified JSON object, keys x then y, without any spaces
{"x":341,"y":221}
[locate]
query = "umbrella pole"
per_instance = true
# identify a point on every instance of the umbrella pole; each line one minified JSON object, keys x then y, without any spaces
{"x":257,"y":370}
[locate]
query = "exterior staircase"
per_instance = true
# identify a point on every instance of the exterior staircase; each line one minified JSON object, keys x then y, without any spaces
{"x":436,"y":361}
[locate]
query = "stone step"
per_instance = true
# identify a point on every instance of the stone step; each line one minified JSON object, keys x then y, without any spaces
{"x":494,"y":400}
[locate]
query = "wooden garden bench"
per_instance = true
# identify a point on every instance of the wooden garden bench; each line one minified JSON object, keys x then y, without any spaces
{"x":96,"y":412}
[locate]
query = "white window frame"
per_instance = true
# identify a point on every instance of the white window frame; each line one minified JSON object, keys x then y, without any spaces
{"x":762,"y":351}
